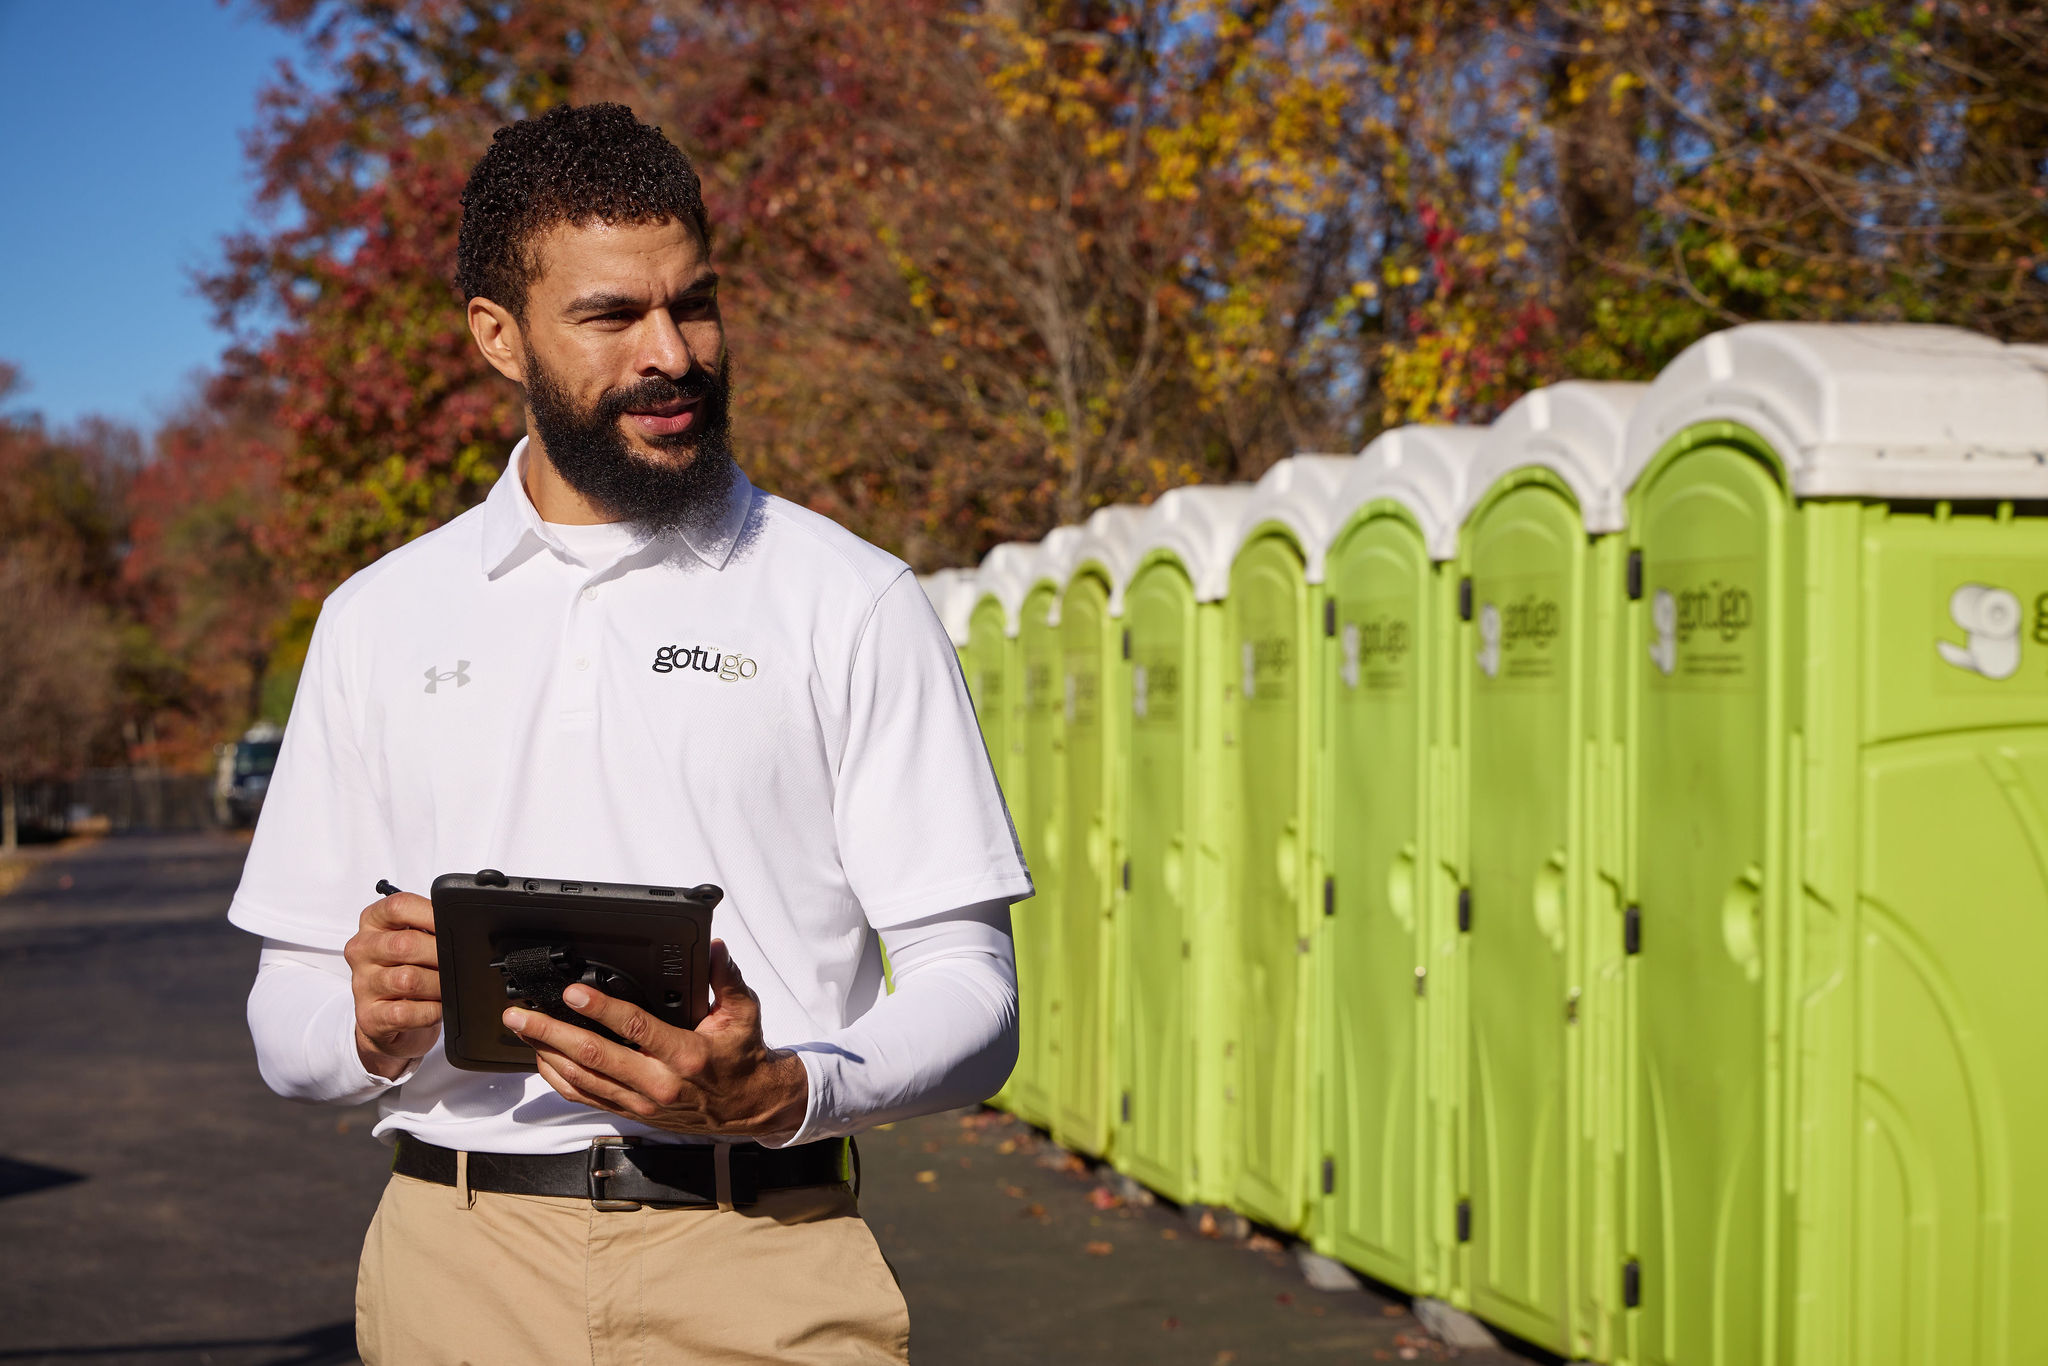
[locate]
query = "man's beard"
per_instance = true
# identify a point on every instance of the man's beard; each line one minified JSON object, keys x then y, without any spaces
{"x":589,"y":449}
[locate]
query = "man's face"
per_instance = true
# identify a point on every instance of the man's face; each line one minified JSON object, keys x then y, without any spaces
{"x":626,"y":369}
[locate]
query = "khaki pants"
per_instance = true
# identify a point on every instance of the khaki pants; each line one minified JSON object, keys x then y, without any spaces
{"x":527,"y":1280}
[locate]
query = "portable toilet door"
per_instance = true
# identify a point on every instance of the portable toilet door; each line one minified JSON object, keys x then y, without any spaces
{"x":990,"y":661}
{"x":1388,"y":991}
{"x":1837,"y":668}
{"x":1092,"y":724}
{"x":1541,"y":937}
{"x":1270,"y":734}
{"x":1169,"y":1041}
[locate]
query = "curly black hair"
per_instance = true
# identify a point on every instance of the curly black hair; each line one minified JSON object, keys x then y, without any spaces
{"x":592,"y":163}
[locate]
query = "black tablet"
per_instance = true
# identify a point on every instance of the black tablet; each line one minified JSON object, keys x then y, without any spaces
{"x":521,"y":940}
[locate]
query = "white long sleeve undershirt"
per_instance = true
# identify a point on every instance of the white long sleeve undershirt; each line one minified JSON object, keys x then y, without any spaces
{"x":946,"y":1036}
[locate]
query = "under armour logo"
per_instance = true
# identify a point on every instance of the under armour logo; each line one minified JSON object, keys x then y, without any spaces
{"x":435,"y":678}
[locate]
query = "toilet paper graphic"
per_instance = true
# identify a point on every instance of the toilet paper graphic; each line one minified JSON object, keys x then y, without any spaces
{"x":1489,"y":640}
{"x":1990,"y":617}
{"x":1664,"y":616}
{"x":1350,"y":670}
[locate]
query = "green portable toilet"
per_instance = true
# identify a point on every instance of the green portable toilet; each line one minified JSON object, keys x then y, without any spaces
{"x":1535,"y":837}
{"x":1016,"y":650}
{"x":1389,"y":1034}
{"x":1041,"y":765}
{"x":1172,"y":954}
{"x":1836,"y":670}
{"x":1271,"y":738}
{"x":1094,"y":732}
{"x":994,"y":666}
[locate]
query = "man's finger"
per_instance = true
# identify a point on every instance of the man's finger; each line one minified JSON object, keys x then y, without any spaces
{"x":568,"y":1090}
{"x":731,"y":996}
{"x":405,"y":946}
{"x":383,"y":1019}
{"x":400,"y":911}
{"x":636,"y":1071}
{"x":403,"y":983}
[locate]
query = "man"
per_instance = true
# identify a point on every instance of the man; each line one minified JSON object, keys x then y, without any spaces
{"x":526,"y":689}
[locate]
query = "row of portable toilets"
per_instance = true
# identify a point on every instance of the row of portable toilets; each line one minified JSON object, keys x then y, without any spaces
{"x":1591,"y":869}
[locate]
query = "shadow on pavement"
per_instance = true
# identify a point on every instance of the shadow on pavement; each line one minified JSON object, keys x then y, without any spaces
{"x":21,"y":1178}
{"x":332,"y":1344}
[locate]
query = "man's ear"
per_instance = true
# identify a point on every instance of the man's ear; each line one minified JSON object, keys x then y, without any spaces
{"x":497,"y":336}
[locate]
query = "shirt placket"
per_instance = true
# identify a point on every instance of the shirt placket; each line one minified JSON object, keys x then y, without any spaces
{"x":582,"y":656}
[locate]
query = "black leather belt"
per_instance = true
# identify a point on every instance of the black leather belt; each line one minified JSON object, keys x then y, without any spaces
{"x":623,"y":1173}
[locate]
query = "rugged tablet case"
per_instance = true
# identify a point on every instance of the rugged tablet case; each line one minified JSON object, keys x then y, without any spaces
{"x":520,"y":940}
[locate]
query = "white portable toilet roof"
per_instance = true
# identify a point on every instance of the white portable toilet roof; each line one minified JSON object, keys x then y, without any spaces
{"x":1198,"y":525}
{"x":1575,"y":429}
{"x":1006,"y":574}
{"x":1300,"y":493}
{"x":953,"y":598}
{"x":1106,"y":539}
{"x":1422,"y":468}
{"x":1055,"y":565}
{"x":1864,"y":410}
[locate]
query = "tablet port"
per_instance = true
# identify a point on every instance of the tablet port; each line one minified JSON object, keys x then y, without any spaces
{"x":572,"y":886}
{"x":661,"y":891}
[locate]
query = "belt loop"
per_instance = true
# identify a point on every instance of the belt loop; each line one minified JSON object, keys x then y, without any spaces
{"x":464,"y":1197}
{"x":721,"y":1166}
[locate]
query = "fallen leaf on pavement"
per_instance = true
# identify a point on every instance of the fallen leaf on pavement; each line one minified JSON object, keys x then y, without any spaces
{"x":1170,"y":1324}
{"x":1035,"y":1210}
{"x":1207,"y":1226}
{"x":927,"y":1178}
{"x":1169,"y":1234}
{"x":1098,"y":1248}
{"x":1104,"y":1198}
{"x":1284,"y":1298}
{"x":1225,"y":1357}
{"x":1260,"y":1242}
{"x":1007,"y":1146}
{"x":1015,"y":1192}
{"x":1392,"y":1311}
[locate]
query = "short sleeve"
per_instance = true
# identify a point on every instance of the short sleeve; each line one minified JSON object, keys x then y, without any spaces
{"x":323,"y":839}
{"x":921,"y":822}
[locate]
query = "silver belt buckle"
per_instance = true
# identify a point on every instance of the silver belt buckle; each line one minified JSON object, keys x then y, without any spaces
{"x":602,"y":1170}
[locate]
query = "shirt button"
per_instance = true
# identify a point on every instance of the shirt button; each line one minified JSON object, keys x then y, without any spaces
{"x":590,"y":595}
{"x":582,"y":662}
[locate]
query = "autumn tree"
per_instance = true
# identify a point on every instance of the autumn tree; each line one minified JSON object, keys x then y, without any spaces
{"x":213,"y":629}
{"x":60,"y":524}
{"x":992,"y":265}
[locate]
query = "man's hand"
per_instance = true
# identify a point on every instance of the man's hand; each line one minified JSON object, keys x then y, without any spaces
{"x":720,"y":1078}
{"x":394,"y":972}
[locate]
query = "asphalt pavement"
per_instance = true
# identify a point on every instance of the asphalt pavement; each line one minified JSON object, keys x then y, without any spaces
{"x":158,"y":1205}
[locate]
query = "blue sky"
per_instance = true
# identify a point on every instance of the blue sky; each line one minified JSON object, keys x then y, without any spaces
{"x":121,"y":167}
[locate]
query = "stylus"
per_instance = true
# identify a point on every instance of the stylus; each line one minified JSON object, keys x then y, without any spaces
{"x":384,"y":887}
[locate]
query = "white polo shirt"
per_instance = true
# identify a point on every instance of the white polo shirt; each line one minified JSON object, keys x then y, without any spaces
{"x":771,"y":706}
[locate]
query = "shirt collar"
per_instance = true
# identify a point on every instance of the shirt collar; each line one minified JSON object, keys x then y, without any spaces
{"x":512,"y":524}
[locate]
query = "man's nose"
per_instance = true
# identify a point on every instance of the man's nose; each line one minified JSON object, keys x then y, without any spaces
{"x":664,"y":350}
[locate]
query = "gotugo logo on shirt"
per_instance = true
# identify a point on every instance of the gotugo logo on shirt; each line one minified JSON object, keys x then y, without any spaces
{"x":726,"y":665}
